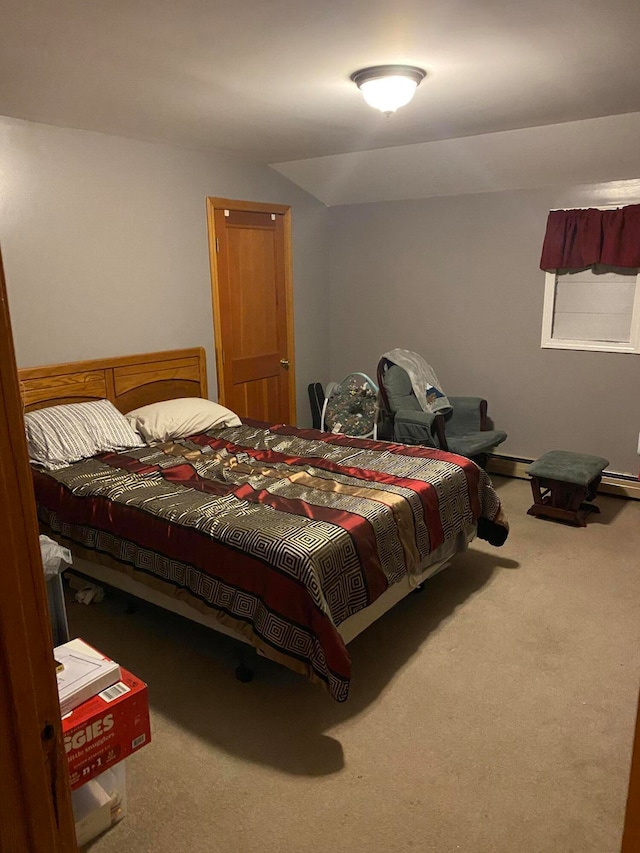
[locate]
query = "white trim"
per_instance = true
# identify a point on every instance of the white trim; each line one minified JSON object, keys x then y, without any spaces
{"x":547,"y":309}
{"x":635,"y":316}
{"x":612,"y":483}
{"x":599,"y":346}
{"x":594,"y":207}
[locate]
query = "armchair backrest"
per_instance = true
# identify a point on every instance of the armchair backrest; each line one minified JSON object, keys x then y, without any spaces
{"x":399,"y":390}
{"x":396,"y":392}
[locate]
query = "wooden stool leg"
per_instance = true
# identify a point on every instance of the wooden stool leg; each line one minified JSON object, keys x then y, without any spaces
{"x":592,"y":490}
{"x":562,"y":501}
{"x":535,"y":490}
{"x":575,"y":496}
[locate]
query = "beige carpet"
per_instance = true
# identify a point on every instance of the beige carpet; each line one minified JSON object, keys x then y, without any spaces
{"x":491,"y":713}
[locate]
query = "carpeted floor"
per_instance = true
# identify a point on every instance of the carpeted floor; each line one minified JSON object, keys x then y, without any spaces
{"x":491,"y":713}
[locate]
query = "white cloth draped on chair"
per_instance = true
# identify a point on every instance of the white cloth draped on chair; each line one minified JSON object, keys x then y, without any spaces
{"x":423,"y":380}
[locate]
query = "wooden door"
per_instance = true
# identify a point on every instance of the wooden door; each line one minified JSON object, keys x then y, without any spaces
{"x":631,"y":832}
{"x":35,"y":800}
{"x":250,"y":252}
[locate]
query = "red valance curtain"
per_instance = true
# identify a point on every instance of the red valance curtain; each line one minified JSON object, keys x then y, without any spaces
{"x":579,"y":238}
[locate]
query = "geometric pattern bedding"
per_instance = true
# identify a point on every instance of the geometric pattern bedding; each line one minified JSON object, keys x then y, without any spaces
{"x":281,"y":533}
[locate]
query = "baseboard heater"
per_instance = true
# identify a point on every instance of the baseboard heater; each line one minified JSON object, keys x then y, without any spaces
{"x":621,"y":485}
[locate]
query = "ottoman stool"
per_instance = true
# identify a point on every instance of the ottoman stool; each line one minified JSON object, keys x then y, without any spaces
{"x":561,"y":482}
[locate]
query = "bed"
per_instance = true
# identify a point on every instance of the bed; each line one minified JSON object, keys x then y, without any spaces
{"x":292,"y":540}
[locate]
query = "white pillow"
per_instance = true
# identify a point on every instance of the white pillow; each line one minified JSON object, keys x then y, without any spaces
{"x":60,"y":435}
{"x":178,"y":418}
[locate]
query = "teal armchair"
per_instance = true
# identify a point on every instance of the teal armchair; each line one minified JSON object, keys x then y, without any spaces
{"x":465,"y":430}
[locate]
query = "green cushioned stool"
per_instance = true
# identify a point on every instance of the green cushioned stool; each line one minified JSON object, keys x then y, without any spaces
{"x":562,"y":482}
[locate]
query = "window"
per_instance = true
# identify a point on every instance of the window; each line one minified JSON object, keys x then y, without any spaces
{"x":593,"y":309}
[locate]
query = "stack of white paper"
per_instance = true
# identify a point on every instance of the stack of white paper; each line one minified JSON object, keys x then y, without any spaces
{"x":85,"y":673}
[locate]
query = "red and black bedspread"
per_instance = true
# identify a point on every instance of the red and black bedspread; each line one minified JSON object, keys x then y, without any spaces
{"x":283,"y":533}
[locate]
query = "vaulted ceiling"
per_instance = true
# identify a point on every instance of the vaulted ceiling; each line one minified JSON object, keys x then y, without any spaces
{"x":270,"y":80}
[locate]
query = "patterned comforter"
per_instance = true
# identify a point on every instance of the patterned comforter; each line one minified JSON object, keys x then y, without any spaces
{"x":283,"y":533}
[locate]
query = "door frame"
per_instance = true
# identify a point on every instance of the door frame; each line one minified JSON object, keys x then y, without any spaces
{"x":35,"y":797}
{"x":631,"y":832}
{"x":214,"y":203}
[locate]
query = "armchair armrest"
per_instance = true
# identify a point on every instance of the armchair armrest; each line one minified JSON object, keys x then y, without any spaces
{"x":469,"y":415}
{"x":414,"y":426}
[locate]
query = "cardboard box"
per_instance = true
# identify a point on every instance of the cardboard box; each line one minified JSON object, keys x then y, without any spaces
{"x":105,"y":729}
{"x":82,"y":672}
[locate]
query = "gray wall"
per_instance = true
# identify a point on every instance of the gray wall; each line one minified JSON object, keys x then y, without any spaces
{"x":105,"y":250}
{"x":457,"y":279}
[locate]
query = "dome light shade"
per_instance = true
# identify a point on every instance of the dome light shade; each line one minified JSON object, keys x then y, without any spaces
{"x":388,"y":87}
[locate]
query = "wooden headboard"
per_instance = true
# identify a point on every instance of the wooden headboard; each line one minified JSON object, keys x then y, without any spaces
{"x":128,"y":381}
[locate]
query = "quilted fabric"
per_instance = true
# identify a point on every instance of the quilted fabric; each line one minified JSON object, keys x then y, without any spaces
{"x":282,"y":533}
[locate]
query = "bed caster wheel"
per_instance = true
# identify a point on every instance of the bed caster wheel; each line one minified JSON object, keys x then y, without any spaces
{"x":419,"y":589}
{"x":244,"y":674}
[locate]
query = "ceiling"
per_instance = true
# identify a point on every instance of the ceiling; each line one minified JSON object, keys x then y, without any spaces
{"x":270,"y":80}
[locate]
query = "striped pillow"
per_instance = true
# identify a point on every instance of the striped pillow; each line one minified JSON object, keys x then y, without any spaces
{"x":60,"y":435}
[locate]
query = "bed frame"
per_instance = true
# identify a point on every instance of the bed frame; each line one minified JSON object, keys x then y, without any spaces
{"x":138,"y":380}
{"x":128,"y":381}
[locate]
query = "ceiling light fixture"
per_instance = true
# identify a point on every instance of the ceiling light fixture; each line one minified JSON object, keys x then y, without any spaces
{"x":388,"y":87}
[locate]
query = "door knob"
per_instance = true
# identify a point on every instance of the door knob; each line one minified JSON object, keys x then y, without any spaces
{"x":284,"y":362}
